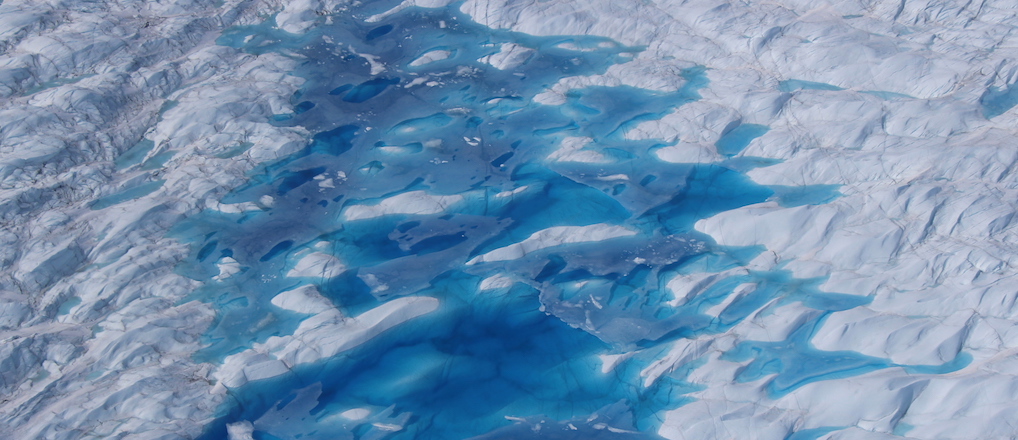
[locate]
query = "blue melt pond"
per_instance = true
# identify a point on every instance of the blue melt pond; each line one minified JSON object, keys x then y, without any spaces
{"x":791,"y":196}
{"x":480,"y":358}
{"x":135,"y":154}
{"x":738,"y":138}
{"x":792,"y":85}
{"x":795,"y":362}
{"x":518,"y":351}
{"x":996,"y":101}
{"x":127,"y":194}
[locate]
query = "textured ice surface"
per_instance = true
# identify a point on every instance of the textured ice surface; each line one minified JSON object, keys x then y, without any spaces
{"x":507,"y":219}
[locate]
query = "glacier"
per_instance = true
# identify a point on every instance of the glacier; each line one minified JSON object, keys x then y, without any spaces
{"x":495,"y":219}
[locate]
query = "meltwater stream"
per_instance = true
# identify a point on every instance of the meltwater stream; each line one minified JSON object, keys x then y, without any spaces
{"x":546,"y":237}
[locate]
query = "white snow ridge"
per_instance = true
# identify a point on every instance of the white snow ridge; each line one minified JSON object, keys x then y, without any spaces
{"x":176,"y":262}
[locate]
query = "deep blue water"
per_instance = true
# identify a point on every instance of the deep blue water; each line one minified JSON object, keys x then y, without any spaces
{"x":529,"y":351}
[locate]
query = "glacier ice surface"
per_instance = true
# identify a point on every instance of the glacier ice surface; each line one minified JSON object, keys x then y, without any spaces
{"x":507,"y":219}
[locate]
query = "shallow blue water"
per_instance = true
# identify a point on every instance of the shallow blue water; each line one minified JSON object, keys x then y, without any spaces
{"x":529,"y":351}
{"x":902,"y":429}
{"x":135,"y":154}
{"x":132,"y":193}
{"x":795,"y":362}
{"x":792,"y":85}
{"x":789,"y":196}
{"x":889,"y":96}
{"x":738,"y":137}
{"x":995,"y":101}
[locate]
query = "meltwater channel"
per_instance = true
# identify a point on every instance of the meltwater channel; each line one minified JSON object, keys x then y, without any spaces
{"x":516,"y":346}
